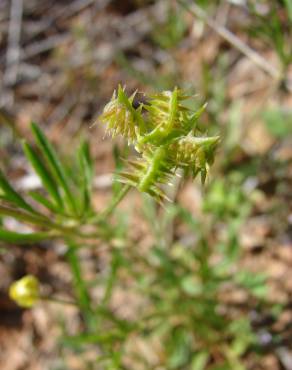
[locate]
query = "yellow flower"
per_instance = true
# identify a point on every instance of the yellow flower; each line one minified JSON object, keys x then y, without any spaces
{"x":25,"y":291}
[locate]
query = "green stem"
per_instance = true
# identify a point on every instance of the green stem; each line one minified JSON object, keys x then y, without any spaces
{"x":81,"y":290}
{"x":59,"y":301}
{"x":111,"y":281}
{"x":35,"y":219}
{"x":42,"y":221}
{"x":112,"y":206}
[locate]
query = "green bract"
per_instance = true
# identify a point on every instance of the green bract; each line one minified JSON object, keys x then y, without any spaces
{"x":164,"y":132}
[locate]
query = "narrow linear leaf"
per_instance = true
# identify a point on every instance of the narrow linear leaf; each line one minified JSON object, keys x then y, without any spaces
{"x":86,"y":153}
{"x":119,"y":164}
{"x":11,"y":195}
{"x":54,"y":164}
{"x":288,"y":4}
{"x":44,"y":201}
{"x":81,"y":291}
{"x":122,"y":324}
{"x":21,"y":238}
{"x":45,"y":176}
{"x":200,"y":360}
{"x":92,"y":338}
{"x":32,"y":219}
{"x":111,"y":280}
{"x":85,"y":165}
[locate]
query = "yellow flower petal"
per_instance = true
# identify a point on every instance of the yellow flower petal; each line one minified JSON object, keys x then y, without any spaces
{"x":25,"y":292}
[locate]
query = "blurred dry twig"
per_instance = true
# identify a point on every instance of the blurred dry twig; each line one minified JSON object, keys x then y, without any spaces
{"x":13,"y":51}
{"x":235,"y":41}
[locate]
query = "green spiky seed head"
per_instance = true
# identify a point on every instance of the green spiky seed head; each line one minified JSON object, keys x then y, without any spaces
{"x":164,"y":133}
{"x":120,"y":116}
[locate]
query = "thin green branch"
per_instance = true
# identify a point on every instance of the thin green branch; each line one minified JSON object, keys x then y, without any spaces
{"x":81,"y":290}
{"x":59,"y":301}
{"x":103,"y":215}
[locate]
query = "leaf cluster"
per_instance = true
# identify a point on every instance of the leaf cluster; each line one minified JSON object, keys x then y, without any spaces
{"x":62,"y":204}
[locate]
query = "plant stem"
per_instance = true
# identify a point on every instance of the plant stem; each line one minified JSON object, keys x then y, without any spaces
{"x":111,"y":281}
{"x":81,"y":290}
{"x":59,"y":301}
{"x":112,"y":206}
{"x":116,"y":200}
{"x":34,"y":219}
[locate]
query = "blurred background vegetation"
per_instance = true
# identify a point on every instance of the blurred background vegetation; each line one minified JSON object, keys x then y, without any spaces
{"x":204,"y":282}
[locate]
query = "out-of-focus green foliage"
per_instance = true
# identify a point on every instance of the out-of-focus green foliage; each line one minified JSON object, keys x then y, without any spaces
{"x":169,"y":34}
{"x":278,"y":122}
{"x":181,"y":283}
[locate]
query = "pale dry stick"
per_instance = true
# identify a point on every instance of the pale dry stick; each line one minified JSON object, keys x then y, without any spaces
{"x":13,"y":51}
{"x":70,"y":10}
{"x":62,"y":110}
{"x":77,"y":6}
{"x":233,"y":40}
{"x":42,"y":46}
{"x":134,"y":37}
{"x":56,"y":40}
{"x":223,"y":13}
